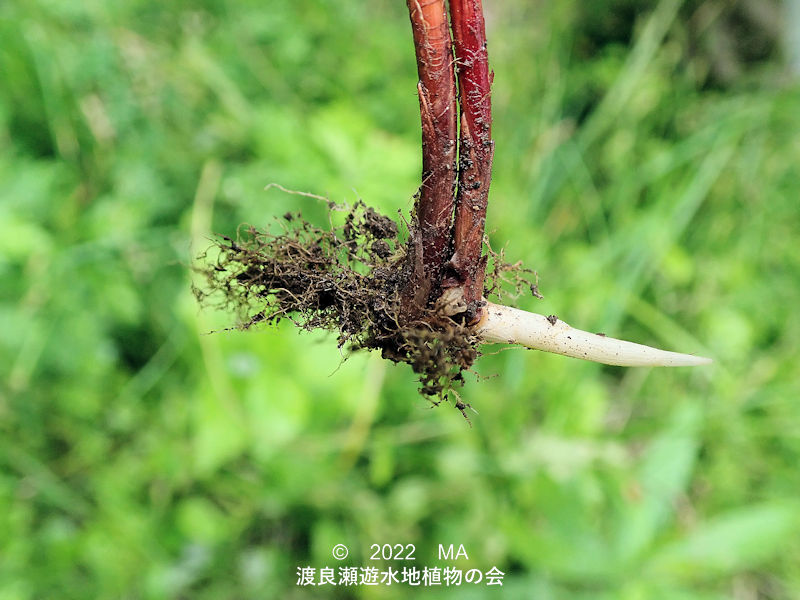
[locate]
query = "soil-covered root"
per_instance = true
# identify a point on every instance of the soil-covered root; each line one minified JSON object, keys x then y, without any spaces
{"x":346,"y":279}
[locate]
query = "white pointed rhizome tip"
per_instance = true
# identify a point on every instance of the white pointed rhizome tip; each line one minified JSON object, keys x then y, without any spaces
{"x":503,"y":324}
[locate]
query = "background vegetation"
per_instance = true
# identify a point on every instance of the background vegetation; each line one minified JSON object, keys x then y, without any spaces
{"x":646,"y":166}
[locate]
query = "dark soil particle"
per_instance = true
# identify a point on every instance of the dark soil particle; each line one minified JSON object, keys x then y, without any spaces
{"x":381,"y":249}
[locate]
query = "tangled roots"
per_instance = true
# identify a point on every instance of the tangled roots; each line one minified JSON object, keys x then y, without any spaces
{"x":347,"y":279}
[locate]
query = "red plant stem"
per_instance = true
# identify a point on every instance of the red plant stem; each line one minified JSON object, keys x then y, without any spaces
{"x":437,"y":102}
{"x":475,"y":151}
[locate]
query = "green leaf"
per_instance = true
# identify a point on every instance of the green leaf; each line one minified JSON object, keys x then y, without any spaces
{"x":739,"y":540}
{"x":663,"y":474}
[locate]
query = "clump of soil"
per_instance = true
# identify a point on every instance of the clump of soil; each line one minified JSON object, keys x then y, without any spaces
{"x":348,"y":279}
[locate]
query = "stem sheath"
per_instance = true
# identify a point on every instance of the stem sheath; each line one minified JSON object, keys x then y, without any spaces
{"x":437,"y":102}
{"x":476,"y":149}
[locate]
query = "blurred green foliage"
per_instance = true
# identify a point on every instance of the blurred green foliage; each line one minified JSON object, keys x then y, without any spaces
{"x":141,"y":457}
